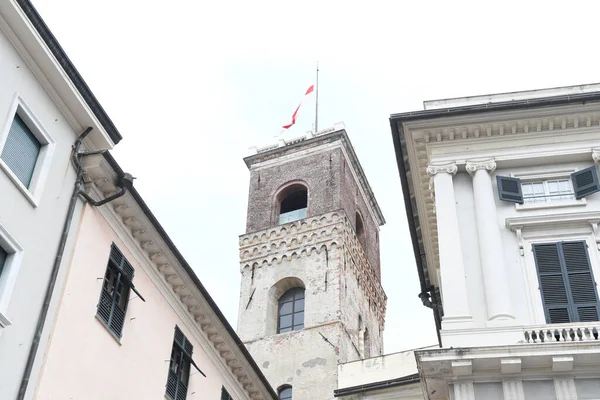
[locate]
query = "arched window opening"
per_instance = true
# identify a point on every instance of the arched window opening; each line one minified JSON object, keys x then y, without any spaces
{"x":293,"y":203}
{"x":285,"y":392}
{"x":360,"y":232}
{"x":367,"y":343}
{"x":361,"y":338}
{"x":291,"y":311}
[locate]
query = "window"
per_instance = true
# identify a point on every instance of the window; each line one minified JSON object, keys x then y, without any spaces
{"x":285,"y":392}
{"x":367,"y":343}
{"x":225,"y":395}
{"x":360,"y":232}
{"x":560,"y":186}
{"x":21,"y":150}
{"x":3,"y":257}
{"x":567,"y":285}
{"x":114,"y":296}
{"x":11,"y":254}
{"x":179,"y":368}
{"x":291,"y":311}
{"x":25,"y":151}
{"x":293,"y":203}
{"x":547,"y":191}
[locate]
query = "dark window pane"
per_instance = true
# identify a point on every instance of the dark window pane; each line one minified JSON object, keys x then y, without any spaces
{"x":285,"y":393}
{"x":285,"y":321}
{"x":283,"y":330}
{"x":298,"y":327}
{"x":299,"y":318}
{"x":3,"y":256}
{"x":299,"y":306}
{"x":21,"y":150}
{"x":285,"y":308}
{"x":298,"y":293}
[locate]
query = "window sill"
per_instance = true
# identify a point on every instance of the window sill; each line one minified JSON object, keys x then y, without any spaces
{"x":556,"y":204}
{"x":28,"y":195}
{"x":117,"y":339}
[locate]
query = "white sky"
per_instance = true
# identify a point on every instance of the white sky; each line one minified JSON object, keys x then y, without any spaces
{"x":192,"y":84}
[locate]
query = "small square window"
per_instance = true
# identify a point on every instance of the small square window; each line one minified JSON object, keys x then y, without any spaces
{"x":21,"y":150}
{"x":25,"y":151}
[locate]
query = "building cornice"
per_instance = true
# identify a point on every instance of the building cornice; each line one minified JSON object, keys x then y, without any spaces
{"x":134,"y":222}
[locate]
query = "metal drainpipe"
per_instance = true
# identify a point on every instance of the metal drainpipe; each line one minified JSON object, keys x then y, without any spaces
{"x":126,"y":183}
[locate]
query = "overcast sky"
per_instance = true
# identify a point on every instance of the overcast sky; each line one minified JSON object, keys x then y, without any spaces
{"x":192,"y":84}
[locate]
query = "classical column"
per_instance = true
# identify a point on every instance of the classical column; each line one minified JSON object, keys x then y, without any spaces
{"x":495,"y":277}
{"x":452,"y":269}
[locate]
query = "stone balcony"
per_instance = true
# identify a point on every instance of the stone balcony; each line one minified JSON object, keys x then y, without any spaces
{"x":561,"y":333}
{"x":313,"y":234}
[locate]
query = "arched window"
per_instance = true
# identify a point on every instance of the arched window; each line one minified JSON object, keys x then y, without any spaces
{"x":367,"y":341}
{"x":285,"y":392}
{"x":360,"y":232}
{"x":293,"y":203}
{"x":291,"y":311}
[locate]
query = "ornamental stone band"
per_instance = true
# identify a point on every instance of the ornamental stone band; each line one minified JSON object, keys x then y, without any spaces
{"x":596,"y":155}
{"x":433,"y":170}
{"x":473,"y":166}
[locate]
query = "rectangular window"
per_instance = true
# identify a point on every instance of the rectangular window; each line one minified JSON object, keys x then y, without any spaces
{"x":225,"y":395}
{"x":114,"y":297}
{"x":566,"y":281}
{"x":21,"y":151}
{"x":179,"y":368}
{"x":547,"y":191}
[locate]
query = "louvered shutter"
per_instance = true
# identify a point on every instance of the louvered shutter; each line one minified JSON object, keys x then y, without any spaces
{"x":509,"y":189}
{"x":585,"y":182}
{"x":21,"y":151}
{"x":582,"y":287}
{"x":552,"y":283}
{"x":567,"y":286}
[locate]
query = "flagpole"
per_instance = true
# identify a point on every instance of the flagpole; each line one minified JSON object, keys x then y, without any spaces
{"x":317,"y":101}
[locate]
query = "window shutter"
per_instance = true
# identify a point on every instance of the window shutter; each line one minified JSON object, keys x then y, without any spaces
{"x":581,"y":282}
{"x":566,"y":282}
{"x":585,"y":182}
{"x":509,"y":189}
{"x":552,"y":283}
{"x":21,"y":151}
{"x":225,"y":395}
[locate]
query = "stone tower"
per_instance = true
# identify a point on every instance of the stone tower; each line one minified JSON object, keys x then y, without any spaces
{"x":311,"y":296}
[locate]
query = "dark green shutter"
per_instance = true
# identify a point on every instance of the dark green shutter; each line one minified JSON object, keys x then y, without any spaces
{"x":225,"y":395}
{"x":109,"y":309}
{"x":21,"y":151}
{"x":3,"y":257}
{"x":509,"y":189}
{"x":566,"y":282}
{"x":585,"y":182}
{"x":176,"y":389}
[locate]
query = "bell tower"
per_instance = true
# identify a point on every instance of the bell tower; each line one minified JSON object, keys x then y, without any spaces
{"x":311,"y":296}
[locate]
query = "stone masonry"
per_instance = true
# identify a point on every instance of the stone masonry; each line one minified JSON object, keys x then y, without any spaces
{"x":320,"y":253}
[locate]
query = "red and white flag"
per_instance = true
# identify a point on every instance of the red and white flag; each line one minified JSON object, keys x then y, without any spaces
{"x":308,"y":91}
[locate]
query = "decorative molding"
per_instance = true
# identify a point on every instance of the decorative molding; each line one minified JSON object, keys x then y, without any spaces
{"x":510,"y":366}
{"x":130,"y":224}
{"x":451,"y":169}
{"x":553,"y":220}
{"x":473,"y":166}
{"x":596,"y":155}
{"x":513,"y":390}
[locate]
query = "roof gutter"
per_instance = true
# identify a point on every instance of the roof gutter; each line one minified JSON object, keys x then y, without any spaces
{"x":66,"y":64}
{"x":405,"y":380}
{"x":188,"y":269}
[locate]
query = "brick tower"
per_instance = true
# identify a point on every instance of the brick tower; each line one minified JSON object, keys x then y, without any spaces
{"x":310,"y":296}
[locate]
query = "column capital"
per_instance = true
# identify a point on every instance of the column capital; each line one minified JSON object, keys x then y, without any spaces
{"x":487,"y":165}
{"x":596,"y":155}
{"x":445,"y":168}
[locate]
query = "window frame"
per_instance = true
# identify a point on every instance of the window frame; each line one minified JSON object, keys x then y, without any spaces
{"x":294,"y":312}
{"x":185,"y":362}
{"x":33,"y":192}
{"x":548,"y":175}
{"x":536,"y":305}
{"x":282,"y":193}
{"x":10,"y":271}
{"x":282,"y":388}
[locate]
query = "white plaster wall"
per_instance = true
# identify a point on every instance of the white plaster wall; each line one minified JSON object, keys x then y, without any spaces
{"x":84,"y":361}
{"x":36,"y":229}
{"x":524,"y":293}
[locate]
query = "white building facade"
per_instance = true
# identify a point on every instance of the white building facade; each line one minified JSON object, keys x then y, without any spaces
{"x":45,"y":108}
{"x":502,"y":197}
